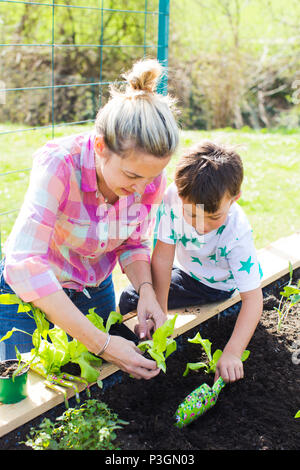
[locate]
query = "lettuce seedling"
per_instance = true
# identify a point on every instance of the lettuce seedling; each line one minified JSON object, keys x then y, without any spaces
{"x":57,"y":352}
{"x":209,"y":367}
{"x":61,"y":351}
{"x":161,"y":345}
{"x":290,"y":296}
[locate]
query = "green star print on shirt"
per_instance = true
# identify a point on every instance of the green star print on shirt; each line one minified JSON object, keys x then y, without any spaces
{"x":220,"y":229}
{"x":184,"y":240}
{"x":210,"y":279}
{"x":246,"y":265}
{"x":223,"y":251}
{"x":196,"y":260}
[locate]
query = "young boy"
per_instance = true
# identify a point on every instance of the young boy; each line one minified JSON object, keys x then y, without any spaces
{"x":206,"y":231}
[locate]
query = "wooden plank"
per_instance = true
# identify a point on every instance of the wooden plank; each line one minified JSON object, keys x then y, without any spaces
{"x":274,"y":260}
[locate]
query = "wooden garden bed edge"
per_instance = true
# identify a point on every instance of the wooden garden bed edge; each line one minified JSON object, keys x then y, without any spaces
{"x":274,"y":259}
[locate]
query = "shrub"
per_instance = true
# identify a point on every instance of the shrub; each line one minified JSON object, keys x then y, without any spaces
{"x":90,"y":427}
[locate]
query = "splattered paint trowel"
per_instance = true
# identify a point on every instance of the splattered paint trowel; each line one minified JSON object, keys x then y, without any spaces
{"x":197,"y":403}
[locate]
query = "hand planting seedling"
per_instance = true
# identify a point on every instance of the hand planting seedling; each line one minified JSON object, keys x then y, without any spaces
{"x":209,"y":367}
{"x":161,"y":345}
{"x":290,"y":296}
{"x":204,"y":397}
{"x":48,"y":357}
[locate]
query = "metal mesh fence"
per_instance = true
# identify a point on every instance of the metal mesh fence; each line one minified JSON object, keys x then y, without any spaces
{"x":57,"y":61}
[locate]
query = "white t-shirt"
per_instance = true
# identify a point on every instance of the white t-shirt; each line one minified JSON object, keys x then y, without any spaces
{"x":223,"y":259}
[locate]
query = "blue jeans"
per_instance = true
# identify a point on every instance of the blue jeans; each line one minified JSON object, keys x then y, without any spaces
{"x":185,"y":291}
{"x":102,"y":299}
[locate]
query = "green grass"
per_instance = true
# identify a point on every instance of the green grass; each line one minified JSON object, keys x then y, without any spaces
{"x":271,"y":186}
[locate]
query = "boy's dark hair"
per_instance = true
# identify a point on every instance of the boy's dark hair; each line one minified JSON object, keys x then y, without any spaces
{"x":207,"y":172}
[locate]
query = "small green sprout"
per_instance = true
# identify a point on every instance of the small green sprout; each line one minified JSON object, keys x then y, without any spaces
{"x":290,"y":296}
{"x":210,"y":366}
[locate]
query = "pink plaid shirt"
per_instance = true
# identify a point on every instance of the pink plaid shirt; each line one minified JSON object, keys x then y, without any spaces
{"x":65,"y":234}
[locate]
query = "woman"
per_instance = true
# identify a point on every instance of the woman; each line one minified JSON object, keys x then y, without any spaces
{"x":80,"y":216}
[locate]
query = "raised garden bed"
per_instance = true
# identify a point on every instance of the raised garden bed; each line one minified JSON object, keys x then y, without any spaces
{"x":256,"y":413}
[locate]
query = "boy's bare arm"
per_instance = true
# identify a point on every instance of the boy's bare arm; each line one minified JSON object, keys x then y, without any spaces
{"x":161,"y":267}
{"x":229,"y":365}
{"x":246,"y":323}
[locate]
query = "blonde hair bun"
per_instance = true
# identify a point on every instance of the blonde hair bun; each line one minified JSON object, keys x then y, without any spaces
{"x":144,"y":75}
{"x":139,"y":117}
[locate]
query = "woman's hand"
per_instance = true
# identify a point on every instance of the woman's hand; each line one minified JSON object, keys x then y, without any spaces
{"x":129,"y":358}
{"x":149,"y":312}
{"x":229,"y":367}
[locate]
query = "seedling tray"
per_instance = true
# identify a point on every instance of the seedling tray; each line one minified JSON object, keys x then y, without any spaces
{"x":274,"y":260}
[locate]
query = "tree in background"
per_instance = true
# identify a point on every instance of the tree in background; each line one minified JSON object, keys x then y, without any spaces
{"x":231,"y":62}
{"x":236,"y":62}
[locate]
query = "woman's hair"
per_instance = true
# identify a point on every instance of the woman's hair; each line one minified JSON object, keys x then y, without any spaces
{"x":138,"y":117}
{"x":207,"y":172}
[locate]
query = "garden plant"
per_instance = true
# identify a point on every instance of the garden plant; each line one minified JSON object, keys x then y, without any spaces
{"x":290,"y":296}
{"x":49,"y":357}
{"x":209,"y":367}
{"x":92,"y":426}
{"x":162,"y":344}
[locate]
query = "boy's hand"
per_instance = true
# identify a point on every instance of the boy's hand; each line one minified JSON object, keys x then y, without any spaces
{"x":229,"y":367}
{"x":150,"y":329}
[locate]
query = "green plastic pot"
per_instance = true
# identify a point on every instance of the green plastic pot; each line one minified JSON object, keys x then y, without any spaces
{"x":13,"y":390}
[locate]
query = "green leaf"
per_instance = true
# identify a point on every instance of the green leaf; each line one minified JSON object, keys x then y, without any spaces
{"x":162,"y":333}
{"x":86,"y":360}
{"x":24,"y":308}
{"x":60,"y":343}
{"x":100,"y":383}
{"x":289,"y":290}
{"x":8,"y":334}
{"x":41,"y":323}
{"x":171,"y":347}
{"x":159,"y":358}
{"x":145,"y":345}
{"x":114,"y":317}
{"x":10,"y":299}
{"x":47,"y":356}
{"x":245,"y":355}
{"x":76,"y":349}
{"x":88,"y":372}
{"x":96,"y":319}
{"x":36,"y":339}
{"x":194,"y":366}
{"x":295,"y":298}
{"x":216,"y":356}
{"x":205,"y":343}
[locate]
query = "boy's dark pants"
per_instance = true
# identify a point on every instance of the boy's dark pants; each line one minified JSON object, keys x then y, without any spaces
{"x":185,"y":291}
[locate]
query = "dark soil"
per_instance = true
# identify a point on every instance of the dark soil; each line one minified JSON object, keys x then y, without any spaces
{"x":256,"y":413}
{"x":7,"y":368}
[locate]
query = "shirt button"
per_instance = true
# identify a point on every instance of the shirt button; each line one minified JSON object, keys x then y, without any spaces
{"x":91,"y":278}
{"x":102,"y":245}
